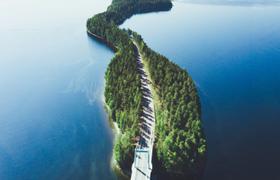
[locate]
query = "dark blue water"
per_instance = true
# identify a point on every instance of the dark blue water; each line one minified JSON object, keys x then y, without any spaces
{"x":52,"y":120}
{"x":233,"y":54}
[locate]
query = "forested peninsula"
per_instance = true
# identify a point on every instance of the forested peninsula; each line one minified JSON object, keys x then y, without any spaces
{"x":180,"y":145}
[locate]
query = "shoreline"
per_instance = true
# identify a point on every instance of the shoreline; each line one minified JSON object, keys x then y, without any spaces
{"x":189,"y":138}
{"x":101,"y":39}
{"x":116,"y":133}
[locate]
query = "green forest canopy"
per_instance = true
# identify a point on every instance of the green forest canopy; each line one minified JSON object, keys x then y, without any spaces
{"x":180,"y":144}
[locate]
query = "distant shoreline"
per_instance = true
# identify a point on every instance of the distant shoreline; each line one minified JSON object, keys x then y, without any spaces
{"x":230,"y":3}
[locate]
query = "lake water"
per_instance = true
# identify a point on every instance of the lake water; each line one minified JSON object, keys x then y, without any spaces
{"x":233,"y":55}
{"x":52,"y":120}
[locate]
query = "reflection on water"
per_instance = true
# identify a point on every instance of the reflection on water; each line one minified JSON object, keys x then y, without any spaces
{"x":232,"y":53}
{"x":52,"y":121}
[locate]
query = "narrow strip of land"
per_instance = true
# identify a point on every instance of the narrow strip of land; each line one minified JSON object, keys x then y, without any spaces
{"x":181,"y":146}
{"x":142,"y":165}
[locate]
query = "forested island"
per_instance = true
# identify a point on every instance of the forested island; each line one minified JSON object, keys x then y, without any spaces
{"x":180,"y":145}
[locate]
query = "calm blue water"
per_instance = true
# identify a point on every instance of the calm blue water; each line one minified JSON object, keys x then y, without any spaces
{"x":233,"y":54}
{"x":52,"y":121}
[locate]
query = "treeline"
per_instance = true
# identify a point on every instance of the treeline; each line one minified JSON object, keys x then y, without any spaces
{"x":105,"y":24}
{"x":180,"y":143}
{"x":120,"y":10}
{"x":122,"y":90}
{"x":123,"y":96}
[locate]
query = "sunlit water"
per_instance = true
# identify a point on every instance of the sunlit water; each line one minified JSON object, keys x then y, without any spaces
{"x":52,"y":120}
{"x":233,"y":54}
